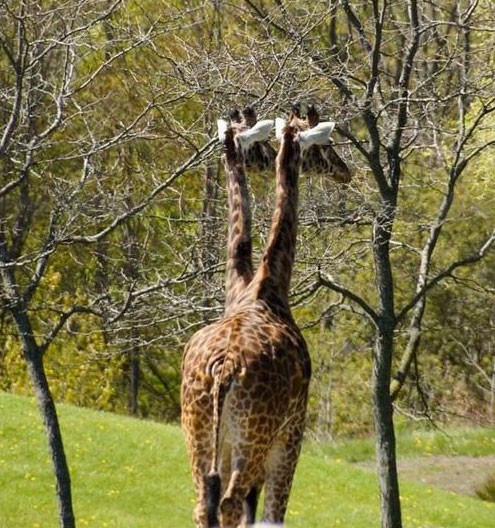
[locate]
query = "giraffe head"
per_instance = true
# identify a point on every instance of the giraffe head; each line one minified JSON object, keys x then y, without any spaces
{"x":251,"y":138}
{"x":319,"y":156}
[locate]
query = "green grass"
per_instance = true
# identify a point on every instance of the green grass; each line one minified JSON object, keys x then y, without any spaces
{"x":130,"y":474}
{"x":473,"y":442}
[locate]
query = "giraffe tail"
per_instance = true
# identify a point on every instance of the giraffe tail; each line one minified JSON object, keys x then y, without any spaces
{"x":221,"y":371}
{"x":213,"y":481}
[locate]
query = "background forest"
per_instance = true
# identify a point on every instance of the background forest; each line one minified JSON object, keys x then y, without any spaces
{"x":113,"y":203}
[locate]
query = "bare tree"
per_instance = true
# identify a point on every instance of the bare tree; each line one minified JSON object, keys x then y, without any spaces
{"x":417,"y":97}
{"x":63,"y":121}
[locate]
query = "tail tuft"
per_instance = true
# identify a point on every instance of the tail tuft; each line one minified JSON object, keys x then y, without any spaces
{"x":213,"y":487}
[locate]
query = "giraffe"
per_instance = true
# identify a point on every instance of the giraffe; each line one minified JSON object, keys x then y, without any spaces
{"x":246,"y":377}
{"x":319,"y":158}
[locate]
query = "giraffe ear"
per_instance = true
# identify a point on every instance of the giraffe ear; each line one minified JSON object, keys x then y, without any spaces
{"x":259,"y":132}
{"x":279,"y":127}
{"x":222,"y":128}
{"x":318,"y":135}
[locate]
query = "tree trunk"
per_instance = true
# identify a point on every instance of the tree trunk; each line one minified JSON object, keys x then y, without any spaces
{"x":131,"y":272}
{"x":384,"y":432}
{"x":134,"y":373}
{"x":382,"y":368}
{"x":34,"y":359}
{"x":492,"y":394}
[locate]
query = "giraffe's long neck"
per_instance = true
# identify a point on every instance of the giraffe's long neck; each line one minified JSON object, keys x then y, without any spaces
{"x":239,"y":244}
{"x":272,"y":279}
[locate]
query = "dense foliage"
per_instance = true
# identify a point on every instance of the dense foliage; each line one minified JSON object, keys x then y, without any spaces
{"x":113,"y":206}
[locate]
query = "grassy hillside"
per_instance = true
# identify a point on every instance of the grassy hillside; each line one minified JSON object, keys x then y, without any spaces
{"x":130,"y":474}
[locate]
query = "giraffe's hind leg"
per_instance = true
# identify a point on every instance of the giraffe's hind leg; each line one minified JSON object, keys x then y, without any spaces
{"x":280,"y":468}
{"x":205,"y":512}
{"x":238,"y":505}
{"x":197,"y":428}
{"x":207,"y":489}
{"x":239,"y":512}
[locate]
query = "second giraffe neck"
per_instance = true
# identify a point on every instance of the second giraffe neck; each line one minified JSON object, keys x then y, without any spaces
{"x":272,"y":279}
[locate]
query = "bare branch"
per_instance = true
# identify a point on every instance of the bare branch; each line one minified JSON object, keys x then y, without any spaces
{"x":196,"y":159}
{"x":328,"y":282}
{"x":447,"y":273}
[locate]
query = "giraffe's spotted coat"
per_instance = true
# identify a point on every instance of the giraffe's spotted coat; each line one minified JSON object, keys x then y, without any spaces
{"x":245,"y":378}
